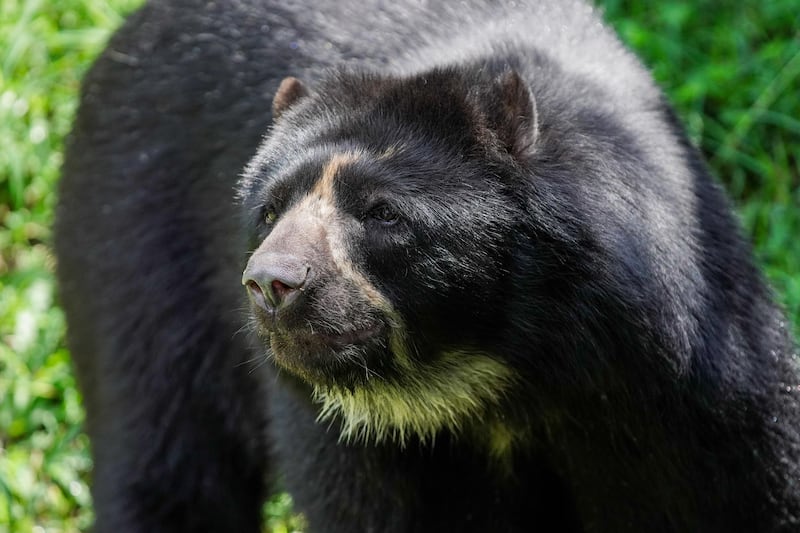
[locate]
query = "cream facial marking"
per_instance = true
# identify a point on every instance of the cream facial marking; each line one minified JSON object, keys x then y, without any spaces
{"x":324,"y":187}
{"x":321,"y":204}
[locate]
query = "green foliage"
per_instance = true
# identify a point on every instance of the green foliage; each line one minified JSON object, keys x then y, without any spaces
{"x":731,"y":68}
{"x":45,"y":47}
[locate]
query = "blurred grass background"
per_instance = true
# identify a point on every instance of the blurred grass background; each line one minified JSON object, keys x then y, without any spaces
{"x":731,"y":68}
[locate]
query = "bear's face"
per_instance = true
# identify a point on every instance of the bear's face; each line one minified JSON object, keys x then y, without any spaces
{"x":381,"y":226}
{"x":325,"y":319}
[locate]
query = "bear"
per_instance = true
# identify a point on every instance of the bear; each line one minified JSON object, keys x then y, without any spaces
{"x":426,"y":266}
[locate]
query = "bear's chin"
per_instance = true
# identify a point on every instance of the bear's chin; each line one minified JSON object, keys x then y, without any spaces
{"x":346,"y":360}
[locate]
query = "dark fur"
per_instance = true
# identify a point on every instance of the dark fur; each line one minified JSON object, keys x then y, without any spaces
{"x":562,"y":225}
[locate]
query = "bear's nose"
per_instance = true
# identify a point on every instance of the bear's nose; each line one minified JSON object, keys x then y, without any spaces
{"x":275,"y":280}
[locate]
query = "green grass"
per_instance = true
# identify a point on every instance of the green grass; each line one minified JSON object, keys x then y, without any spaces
{"x":45,"y":47}
{"x":733,"y":71}
{"x":731,"y":68}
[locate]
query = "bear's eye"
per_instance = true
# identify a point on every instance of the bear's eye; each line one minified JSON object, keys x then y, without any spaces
{"x":270,"y":214}
{"x":384,"y":214}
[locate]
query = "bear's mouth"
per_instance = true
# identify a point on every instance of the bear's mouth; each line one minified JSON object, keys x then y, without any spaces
{"x":321,"y":356}
{"x":324,"y":338}
{"x":354,"y":336}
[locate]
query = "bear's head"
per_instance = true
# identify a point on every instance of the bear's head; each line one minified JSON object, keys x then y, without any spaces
{"x":382,"y":214}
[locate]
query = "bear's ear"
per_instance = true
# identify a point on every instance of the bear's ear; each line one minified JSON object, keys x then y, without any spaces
{"x":512,"y":114}
{"x":289,"y":92}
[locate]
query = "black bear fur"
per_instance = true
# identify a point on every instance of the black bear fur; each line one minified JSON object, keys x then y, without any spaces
{"x":509,"y":194}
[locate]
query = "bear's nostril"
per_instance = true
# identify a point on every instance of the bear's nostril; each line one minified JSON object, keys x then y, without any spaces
{"x":281,"y":290}
{"x":257,"y":294}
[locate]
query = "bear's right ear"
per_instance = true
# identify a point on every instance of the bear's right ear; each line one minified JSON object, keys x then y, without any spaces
{"x":515,"y":118}
{"x":289,"y":92}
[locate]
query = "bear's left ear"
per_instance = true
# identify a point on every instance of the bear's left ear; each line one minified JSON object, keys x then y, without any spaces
{"x":511,"y":113}
{"x":289,"y":92}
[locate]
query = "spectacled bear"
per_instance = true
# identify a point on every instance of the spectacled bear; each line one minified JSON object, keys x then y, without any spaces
{"x":433,"y":266}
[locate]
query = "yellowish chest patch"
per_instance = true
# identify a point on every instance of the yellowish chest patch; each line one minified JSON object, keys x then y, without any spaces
{"x":452,"y":393}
